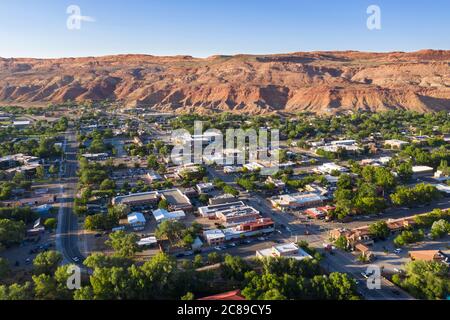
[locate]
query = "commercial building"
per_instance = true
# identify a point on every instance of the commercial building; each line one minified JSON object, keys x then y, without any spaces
{"x":230,"y":213}
{"x":289,"y":250}
{"x":296,"y":201}
{"x":214,"y":237}
{"x":138,"y":199}
{"x":176,"y":199}
{"x":30,"y":202}
{"x":319,"y":213}
{"x":249,"y":229}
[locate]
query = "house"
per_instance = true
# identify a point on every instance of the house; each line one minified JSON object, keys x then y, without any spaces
{"x":364,"y":250}
{"x":136,"y":220}
{"x":428,"y":255}
{"x":214,"y":237}
{"x":145,"y":242}
{"x":230,"y":296}
{"x":162,"y":215}
{"x":422,"y":171}
{"x":289,"y":250}
{"x":395,"y":144}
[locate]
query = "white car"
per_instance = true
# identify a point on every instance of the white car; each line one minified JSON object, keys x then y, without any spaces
{"x":76,"y":259}
{"x":397,"y":251}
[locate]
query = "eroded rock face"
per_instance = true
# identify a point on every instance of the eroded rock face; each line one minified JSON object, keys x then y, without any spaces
{"x":321,"y":82}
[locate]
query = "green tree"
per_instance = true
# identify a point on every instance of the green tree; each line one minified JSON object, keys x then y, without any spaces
{"x":440,"y":229}
{"x":379,"y":230}
{"x":50,"y":223}
{"x":46,"y":262}
{"x":124,"y":244}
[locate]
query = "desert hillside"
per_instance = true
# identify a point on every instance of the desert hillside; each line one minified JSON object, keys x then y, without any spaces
{"x":321,"y":82}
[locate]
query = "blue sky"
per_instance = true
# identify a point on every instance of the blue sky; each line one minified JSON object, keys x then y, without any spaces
{"x":30,"y":28}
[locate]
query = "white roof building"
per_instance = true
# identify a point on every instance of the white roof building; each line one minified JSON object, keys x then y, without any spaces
{"x":162,"y":215}
{"x":136,"y":219}
{"x":213,"y":236}
{"x":288,"y":250}
{"x":253,"y":166}
{"x":147,"y":241}
{"x":330,"y":168}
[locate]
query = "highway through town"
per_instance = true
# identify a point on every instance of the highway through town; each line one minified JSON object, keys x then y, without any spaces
{"x":67,"y":230}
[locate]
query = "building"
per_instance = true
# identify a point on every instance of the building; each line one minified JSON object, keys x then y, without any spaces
{"x":205,"y":187}
{"x":177,"y":200}
{"x":279,"y":184}
{"x":343,"y":142}
{"x":153,"y":176}
{"x":445,"y":189}
{"x":422,"y":171}
{"x":289,"y":250}
{"x":145,"y":242}
{"x":136,"y":220}
{"x":297,"y":201}
{"x":249,"y":229}
{"x":223,"y":198}
{"x":230,"y":296}
{"x":253,"y":166}
{"x":214,"y":237}
{"x":162,"y":215}
{"x":329,"y":168}
{"x":319,"y":213}
{"x":30,"y":202}
{"x":17,"y":160}
{"x":231,"y":169}
{"x":138,"y":199}
{"x":95,"y":156}
{"x":230,"y":213}
{"x":428,"y":255}
{"x":395,"y":144}
{"x":21,"y":123}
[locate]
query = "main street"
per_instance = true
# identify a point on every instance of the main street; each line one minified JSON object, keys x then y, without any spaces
{"x":67,"y":230}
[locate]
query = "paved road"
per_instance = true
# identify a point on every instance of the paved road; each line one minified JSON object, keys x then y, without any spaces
{"x":67,"y":231}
